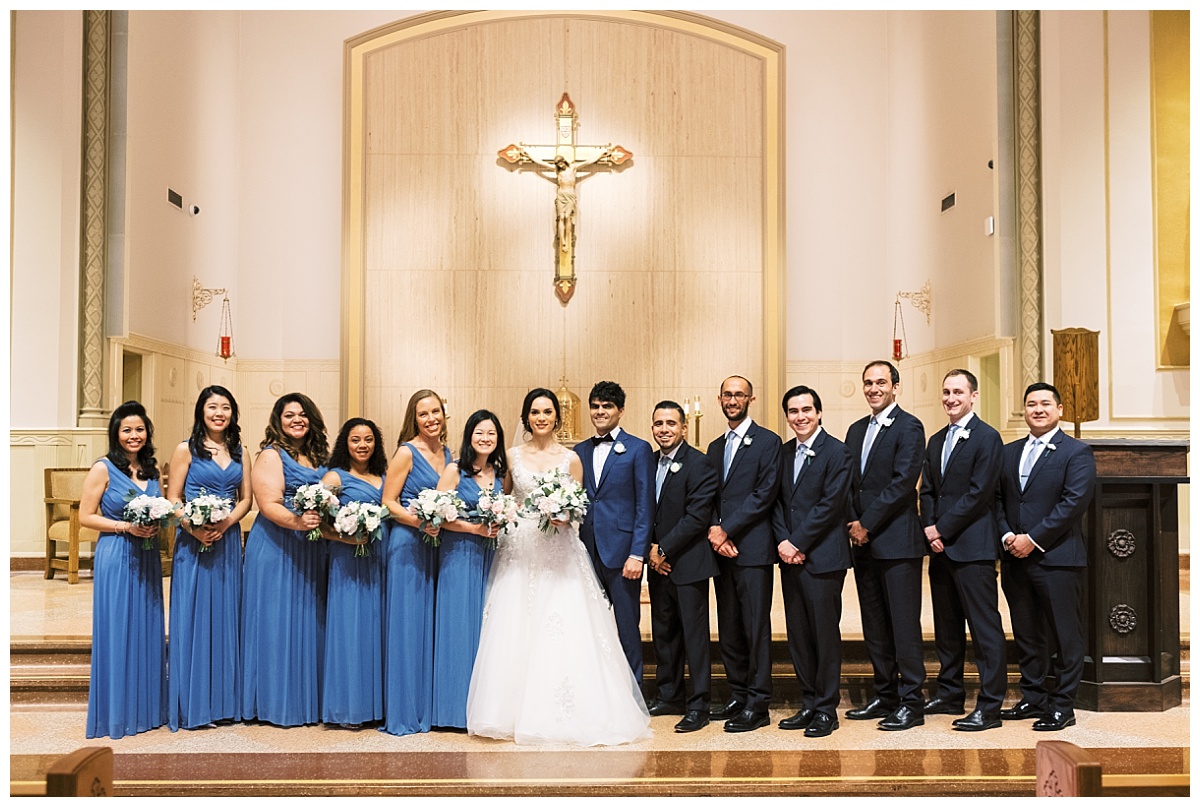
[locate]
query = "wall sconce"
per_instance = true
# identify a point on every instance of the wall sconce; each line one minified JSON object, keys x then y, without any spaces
{"x":202,"y":297}
{"x":922,"y":301}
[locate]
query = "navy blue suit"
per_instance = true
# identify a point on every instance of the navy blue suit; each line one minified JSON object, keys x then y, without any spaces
{"x":962,"y":579}
{"x":744,"y":502}
{"x":618,"y":524}
{"x":1044,"y":590}
{"x":811,"y":513}
{"x":887,"y":569}
{"x":679,"y":601}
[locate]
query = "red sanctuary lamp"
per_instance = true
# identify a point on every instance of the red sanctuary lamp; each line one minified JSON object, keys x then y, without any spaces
{"x":225,"y":335}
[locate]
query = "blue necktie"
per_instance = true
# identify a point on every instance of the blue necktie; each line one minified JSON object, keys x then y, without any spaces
{"x":801,"y":458}
{"x":661,"y":476}
{"x":872,"y":428}
{"x":1030,"y":459}
{"x":730,"y":442}
{"x":949,"y":446}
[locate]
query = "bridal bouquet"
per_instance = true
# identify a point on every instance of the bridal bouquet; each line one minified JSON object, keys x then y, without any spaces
{"x":318,"y":498}
{"x":362,"y":521}
{"x":556,"y":497}
{"x":148,"y":511}
{"x":499,"y":509}
{"x":205,"y":509}
{"x":434,"y":508}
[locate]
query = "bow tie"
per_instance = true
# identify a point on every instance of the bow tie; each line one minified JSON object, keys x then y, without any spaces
{"x":608,"y":438}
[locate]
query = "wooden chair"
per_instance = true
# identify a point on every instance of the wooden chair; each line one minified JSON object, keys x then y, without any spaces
{"x":86,"y":772}
{"x":64,"y":486}
{"x":1065,"y":769}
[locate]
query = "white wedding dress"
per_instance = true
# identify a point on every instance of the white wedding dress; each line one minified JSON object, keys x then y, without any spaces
{"x":550,"y":667}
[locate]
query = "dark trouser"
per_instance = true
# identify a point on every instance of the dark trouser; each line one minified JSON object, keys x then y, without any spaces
{"x":813,"y":611}
{"x":889,"y":596}
{"x":626,"y":598}
{"x":680,"y":631}
{"x":744,"y":631}
{"x":965,"y":594}
{"x":1045,"y":604}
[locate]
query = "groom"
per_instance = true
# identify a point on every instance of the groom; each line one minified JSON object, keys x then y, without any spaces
{"x":618,"y":474}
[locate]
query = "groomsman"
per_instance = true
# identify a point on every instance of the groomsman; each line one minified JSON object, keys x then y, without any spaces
{"x":886,"y":449}
{"x":682,"y":562}
{"x":958,"y":499}
{"x":1046,"y":483}
{"x":618,"y":475}
{"x":746,"y":459}
{"x":814,"y":554}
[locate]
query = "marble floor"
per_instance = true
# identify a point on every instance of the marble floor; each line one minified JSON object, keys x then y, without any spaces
{"x":857,"y":758}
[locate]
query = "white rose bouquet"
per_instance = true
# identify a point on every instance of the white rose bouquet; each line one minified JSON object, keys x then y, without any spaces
{"x":361,"y":521}
{"x":556,"y":497}
{"x":318,"y":498}
{"x":434,"y":508}
{"x":205,"y":509}
{"x":499,"y":509}
{"x":148,"y":511}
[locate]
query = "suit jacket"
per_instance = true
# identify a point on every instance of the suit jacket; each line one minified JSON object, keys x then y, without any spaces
{"x":962,"y":502}
{"x":883,"y":498}
{"x":746,"y":496}
{"x":811,"y":513}
{"x":621,"y":509}
{"x":683,"y":515}
{"x":1050,"y":509}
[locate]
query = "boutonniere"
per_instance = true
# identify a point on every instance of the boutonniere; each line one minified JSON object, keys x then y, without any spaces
{"x":675,"y":467}
{"x":808,"y":452}
{"x":966,"y":434}
{"x":1051,"y":447}
{"x":747,"y":440}
{"x":887,"y":422}
{"x":618,"y":447}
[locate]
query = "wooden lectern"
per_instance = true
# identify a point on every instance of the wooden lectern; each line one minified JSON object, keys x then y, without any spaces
{"x":1131,"y":597}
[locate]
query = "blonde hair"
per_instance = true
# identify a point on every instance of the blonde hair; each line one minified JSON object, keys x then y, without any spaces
{"x":410,"y":429}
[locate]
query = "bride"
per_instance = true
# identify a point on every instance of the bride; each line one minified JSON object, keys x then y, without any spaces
{"x":550,"y":668}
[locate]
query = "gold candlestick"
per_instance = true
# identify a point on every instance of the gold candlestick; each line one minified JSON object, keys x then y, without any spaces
{"x":696,"y":415}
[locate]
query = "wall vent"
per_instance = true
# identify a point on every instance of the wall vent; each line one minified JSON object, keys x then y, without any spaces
{"x":947,"y":203}
{"x":177,"y":199}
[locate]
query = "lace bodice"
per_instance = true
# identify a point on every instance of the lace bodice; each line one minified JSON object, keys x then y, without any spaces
{"x":522,"y":475}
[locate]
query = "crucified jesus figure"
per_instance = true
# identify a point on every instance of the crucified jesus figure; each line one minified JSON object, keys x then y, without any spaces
{"x":566,"y":201}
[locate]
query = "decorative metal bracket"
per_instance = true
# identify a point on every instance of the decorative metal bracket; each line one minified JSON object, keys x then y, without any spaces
{"x":921,"y":300}
{"x":202,"y":296}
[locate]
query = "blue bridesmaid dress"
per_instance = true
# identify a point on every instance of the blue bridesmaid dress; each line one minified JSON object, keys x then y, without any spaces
{"x":353,"y":692}
{"x":128,"y":691}
{"x":408,"y":622}
{"x":283,"y":614}
{"x":206,"y":593}
{"x":463,"y":564}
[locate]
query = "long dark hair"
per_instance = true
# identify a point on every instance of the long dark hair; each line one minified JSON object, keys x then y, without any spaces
{"x":467,"y":455}
{"x":145,"y":455}
{"x":340,"y":458}
{"x":315,"y":444}
{"x":233,"y":432}
{"x":533,"y":395}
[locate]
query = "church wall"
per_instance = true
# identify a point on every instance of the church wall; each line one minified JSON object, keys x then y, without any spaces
{"x":46,"y":156}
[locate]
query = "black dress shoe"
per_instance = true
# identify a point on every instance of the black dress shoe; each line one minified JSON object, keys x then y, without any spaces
{"x":1022,"y":711}
{"x":747,"y":720}
{"x":1054,"y":721}
{"x":658,"y":707}
{"x":977,"y":721}
{"x":694,"y":720}
{"x":800,"y":720}
{"x":822,"y":725}
{"x":905,"y":717}
{"x":874,"y":710}
{"x":731,"y":708}
{"x":944,"y":706}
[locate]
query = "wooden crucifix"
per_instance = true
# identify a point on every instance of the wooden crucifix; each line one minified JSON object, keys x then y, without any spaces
{"x":565,"y":160}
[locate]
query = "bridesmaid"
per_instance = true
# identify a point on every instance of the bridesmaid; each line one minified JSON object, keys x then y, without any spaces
{"x":420,"y":458}
{"x":128,"y":692}
{"x":464,"y":560}
{"x":283,"y":580}
{"x":206,"y":572}
{"x":353,"y":687}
